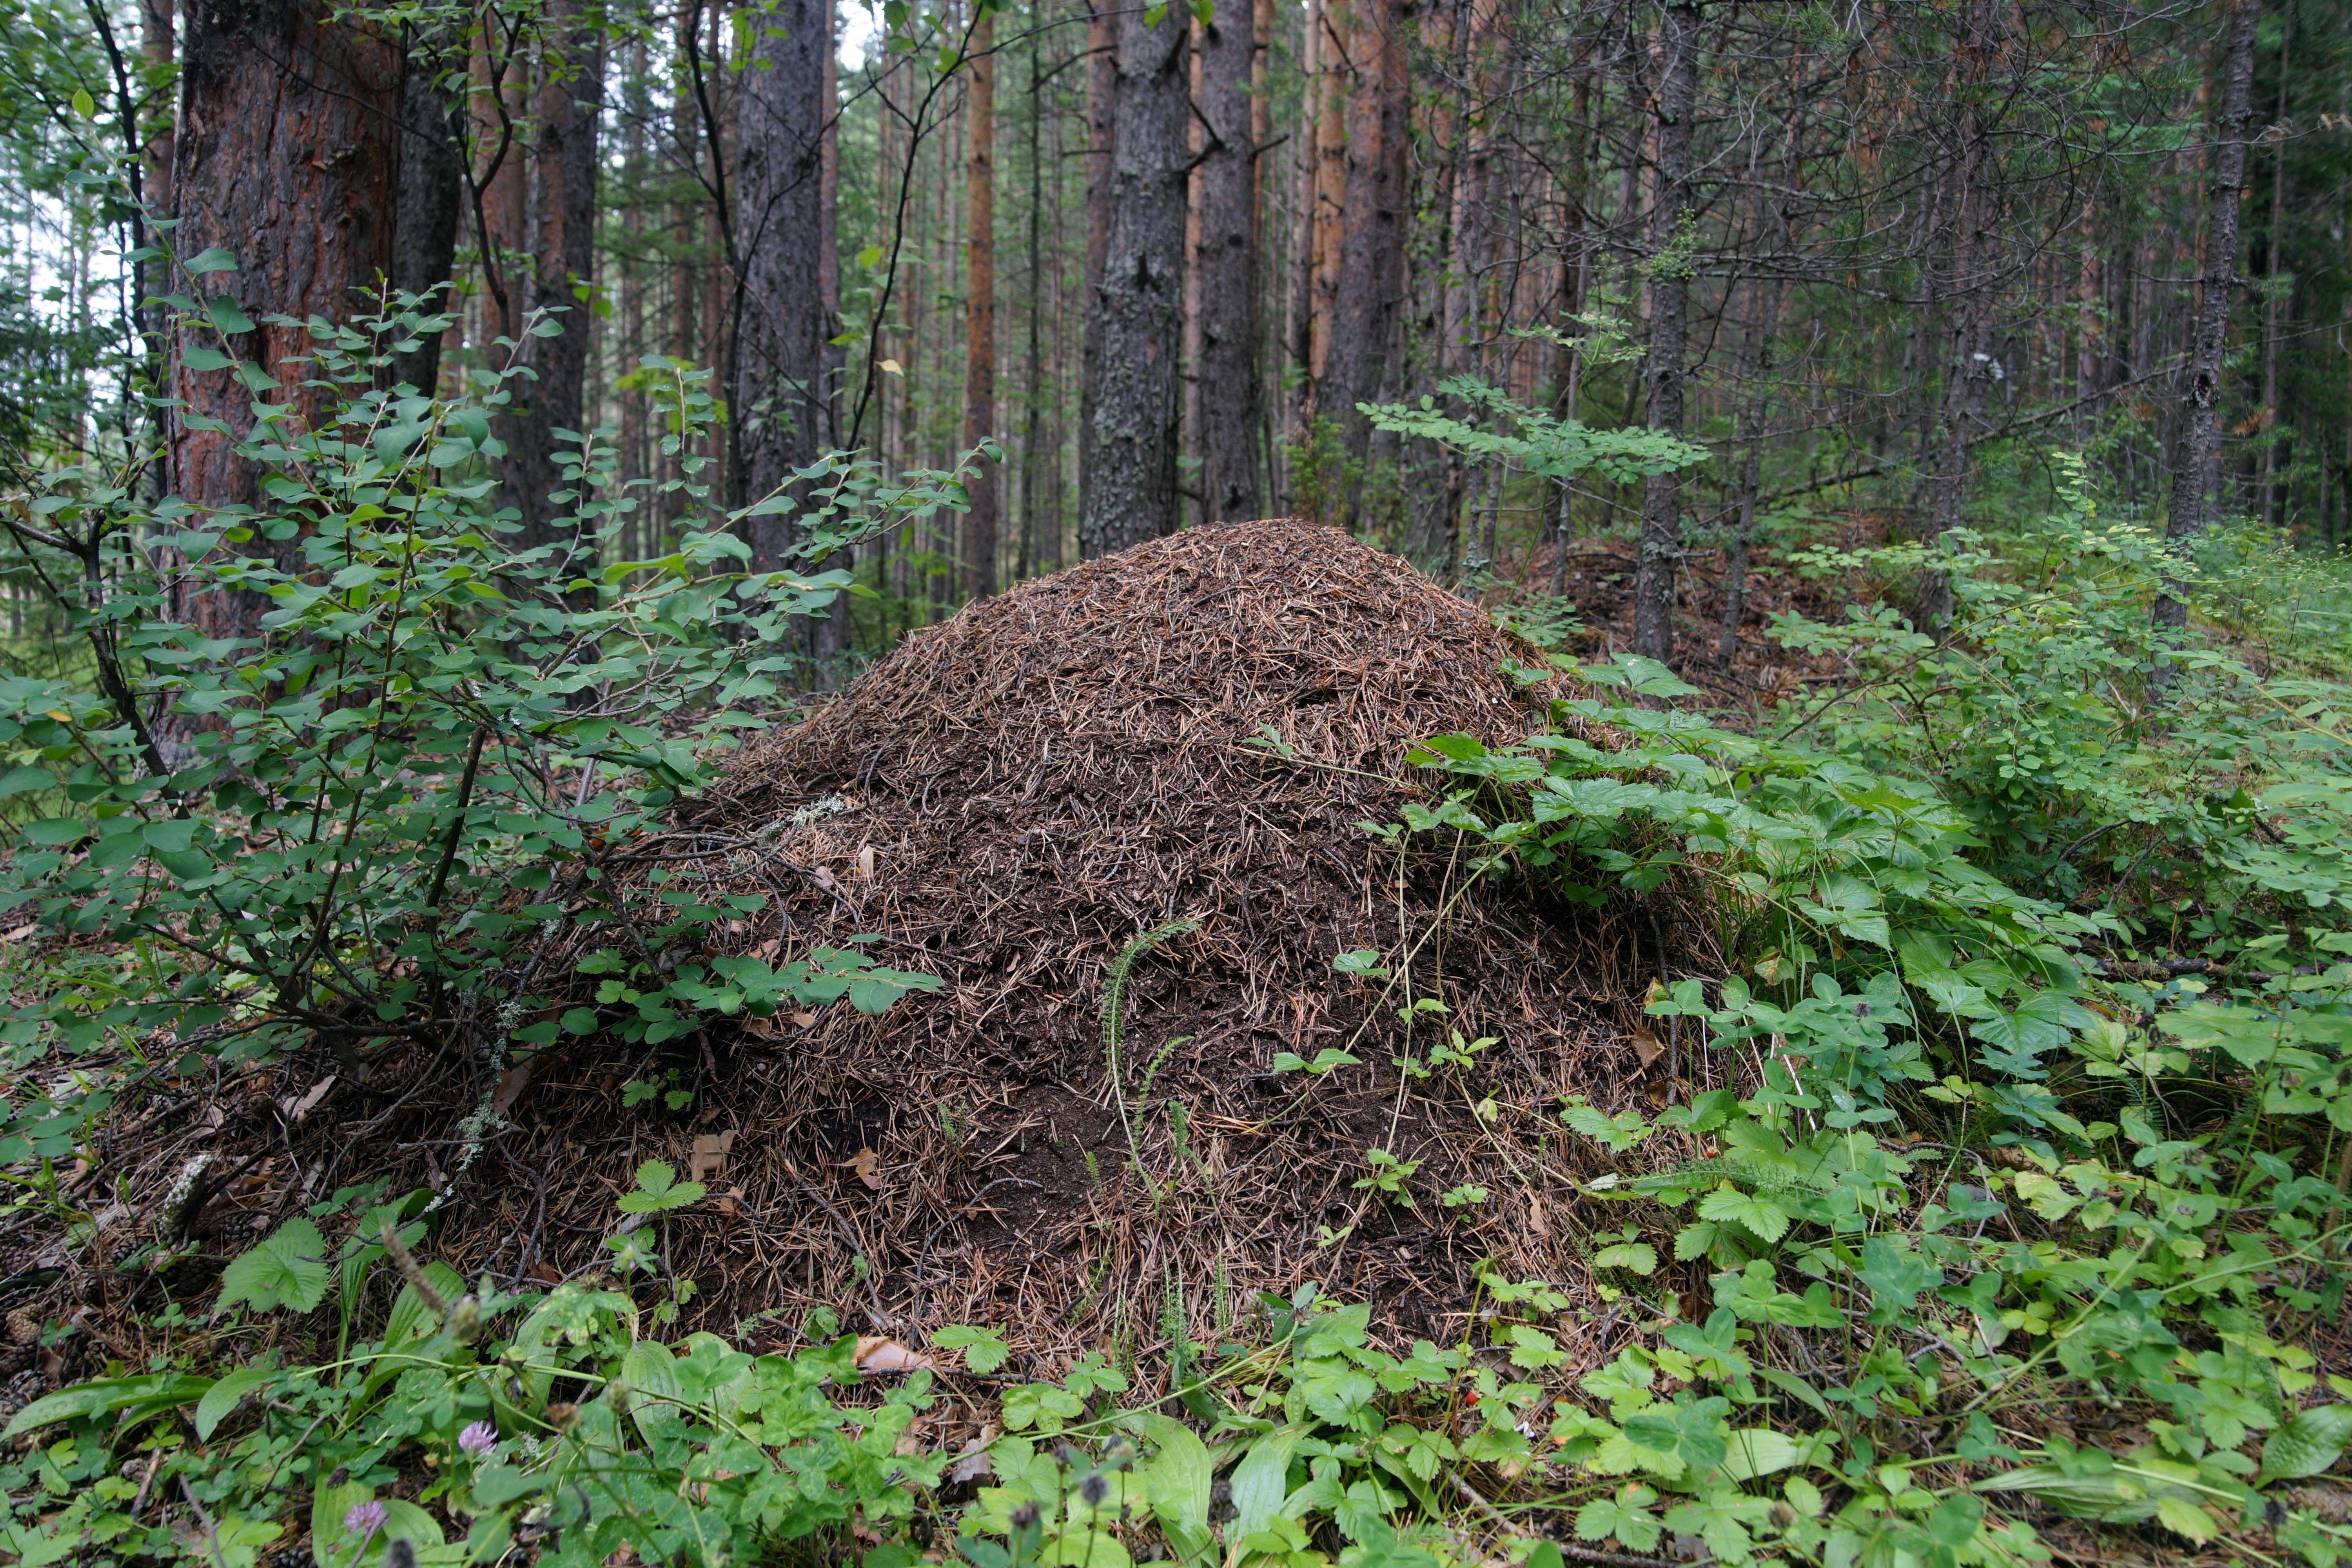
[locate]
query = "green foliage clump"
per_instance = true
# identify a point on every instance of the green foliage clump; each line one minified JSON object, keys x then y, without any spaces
{"x":351,"y":758}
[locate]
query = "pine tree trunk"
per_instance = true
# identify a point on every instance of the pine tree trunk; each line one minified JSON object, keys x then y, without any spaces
{"x":1226,"y":268}
{"x":1660,"y":559}
{"x":1369,"y":277}
{"x":779,"y":355}
{"x":2195,"y":470}
{"x":1299,"y":334}
{"x":2273,"y":298}
{"x":980,"y":528}
{"x":558,"y":257}
{"x":288,"y":158}
{"x":425,"y":237}
{"x":1134,"y":334}
{"x":1335,"y":85}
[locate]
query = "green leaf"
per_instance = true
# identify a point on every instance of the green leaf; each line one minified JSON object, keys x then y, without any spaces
{"x":289,"y":1269}
{"x":84,"y":105}
{"x":983,"y":1349}
{"x":659,"y":1190}
{"x":227,"y":318}
{"x":154,"y":1390}
{"x":1626,"y":1516}
{"x":2183,"y":1517}
{"x":1896,"y":1275}
{"x":328,"y":1505}
{"x":1259,"y":1485}
{"x":2307,"y":1445}
{"x":16,"y":781}
{"x":1758,"y":1451}
{"x":1621,"y":1132}
{"x":1633,"y":1257}
{"x":213,"y":260}
{"x":1181,"y":1477}
{"x":223,"y":1396}
{"x":409,"y":1318}
{"x":1767,"y":1221}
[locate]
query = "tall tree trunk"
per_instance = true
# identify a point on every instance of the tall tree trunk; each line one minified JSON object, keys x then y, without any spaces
{"x":1298,"y":285}
{"x":288,"y":158}
{"x":1369,"y":280}
{"x":1661,"y":522}
{"x":1134,"y":332}
{"x":1332,"y":86}
{"x":780,"y":357}
{"x":2195,"y":470}
{"x":558,"y":263}
{"x":2272,"y":298}
{"x":425,"y":231}
{"x":155,"y":63}
{"x":1266,"y":271}
{"x":1226,"y":268}
{"x":980,"y":528}
{"x":157,"y":130}
{"x":1034,"y":458}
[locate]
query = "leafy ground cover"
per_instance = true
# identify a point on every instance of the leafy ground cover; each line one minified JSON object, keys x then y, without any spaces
{"x":2015,"y":1232}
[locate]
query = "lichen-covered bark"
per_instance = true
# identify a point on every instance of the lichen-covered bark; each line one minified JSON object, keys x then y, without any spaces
{"x":1134,"y":332}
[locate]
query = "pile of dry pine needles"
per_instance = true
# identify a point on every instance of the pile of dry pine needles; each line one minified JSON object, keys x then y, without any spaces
{"x":1183,"y":744}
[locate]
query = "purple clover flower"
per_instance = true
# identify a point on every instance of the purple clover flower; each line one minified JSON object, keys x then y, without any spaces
{"x":365,"y":1520}
{"x":480,"y":1439}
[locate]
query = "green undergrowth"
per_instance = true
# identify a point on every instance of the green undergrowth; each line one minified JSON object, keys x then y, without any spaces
{"x":2020,"y":1235}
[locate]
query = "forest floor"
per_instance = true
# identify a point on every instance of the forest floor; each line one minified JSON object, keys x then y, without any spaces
{"x":1014,"y":1223}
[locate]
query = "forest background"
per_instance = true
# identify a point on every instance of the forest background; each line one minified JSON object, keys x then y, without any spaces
{"x":434,"y":434}
{"x":1164,"y":257}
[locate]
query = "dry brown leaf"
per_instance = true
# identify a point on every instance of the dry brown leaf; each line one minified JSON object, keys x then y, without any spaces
{"x":802,"y":1020}
{"x":974,"y":1462}
{"x":877,"y":1353}
{"x":22,"y":932}
{"x":1646,"y":1046}
{"x":1535,"y":1221}
{"x":708,"y":1160}
{"x":544,"y":1272}
{"x":512,"y":1084}
{"x":868,"y":1166}
{"x":865,"y":862}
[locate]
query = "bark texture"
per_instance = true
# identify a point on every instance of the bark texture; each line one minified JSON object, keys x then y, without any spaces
{"x":1368,"y":281}
{"x":428,"y":206}
{"x":1225,"y":265}
{"x":2196,"y":473}
{"x":781,"y":348}
{"x":979,"y":524}
{"x":1661,"y":551}
{"x":1134,"y":328}
{"x":546,"y":247}
{"x":288,"y":158}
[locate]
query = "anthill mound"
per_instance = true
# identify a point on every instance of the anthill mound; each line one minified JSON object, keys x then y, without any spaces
{"x":1196,"y":729}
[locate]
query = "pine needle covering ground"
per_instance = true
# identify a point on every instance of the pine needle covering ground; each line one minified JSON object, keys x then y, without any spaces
{"x":1179,"y":743}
